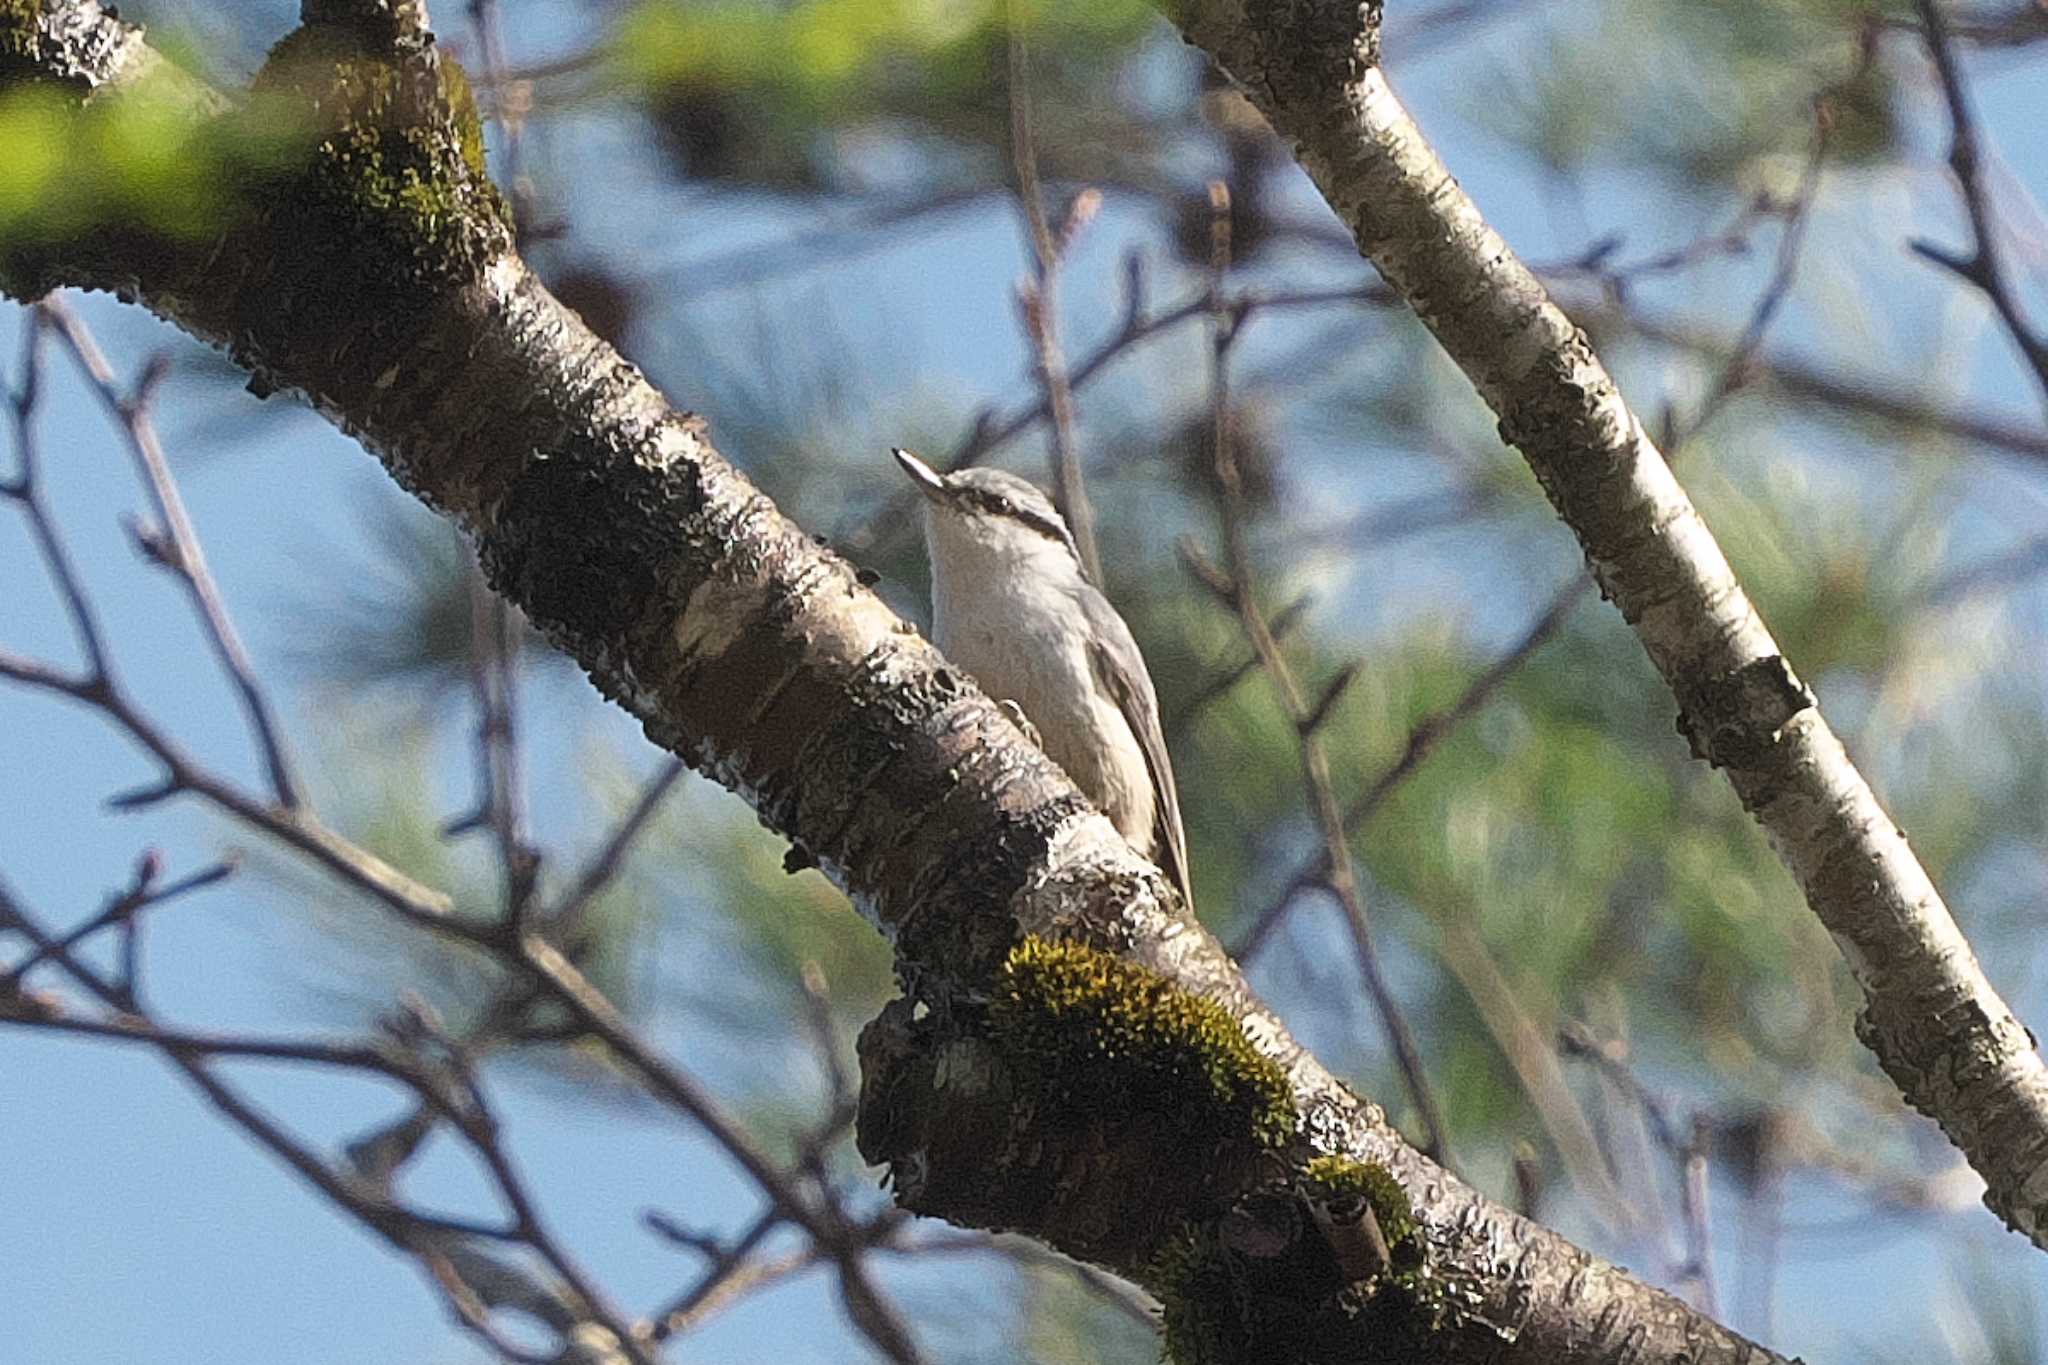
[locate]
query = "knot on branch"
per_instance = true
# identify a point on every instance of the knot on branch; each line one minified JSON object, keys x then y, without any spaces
{"x":1329,"y":1264}
{"x":1736,"y":719}
{"x":390,"y":171}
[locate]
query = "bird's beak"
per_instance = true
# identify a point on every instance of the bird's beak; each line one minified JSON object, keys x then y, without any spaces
{"x":929,"y":481}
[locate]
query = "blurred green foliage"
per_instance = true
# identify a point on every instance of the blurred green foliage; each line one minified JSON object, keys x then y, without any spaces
{"x":1699,"y":93}
{"x":796,"y":97}
{"x":139,"y":162}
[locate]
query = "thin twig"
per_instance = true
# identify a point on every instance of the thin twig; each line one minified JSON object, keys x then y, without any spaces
{"x":25,"y":490}
{"x":734,"y":1271}
{"x":1238,"y":578}
{"x":1139,"y":324}
{"x":1784,"y":272}
{"x":1038,"y":301}
{"x":602,"y":1019}
{"x":98,"y":687}
{"x":479,"y":1124}
{"x":1687,"y":1151}
{"x":180,"y":553}
{"x":298,"y":829}
{"x":1856,"y":395}
{"x":1283,"y":624}
{"x":501,"y":804}
{"x":565,"y":918}
{"x":1999,"y":571}
{"x":1982,"y":266}
{"x":435,"y":1240}
{"x":1423,"y":740}
{"x":1527,"y":1048}
{"x":1128,"y":1299}
{"x":142,"y":892}
{"x":523,"y":946}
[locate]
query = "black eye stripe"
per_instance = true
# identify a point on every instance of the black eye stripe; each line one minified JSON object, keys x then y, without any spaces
{"x":1044,"y":526}
{"x":996,"y":504}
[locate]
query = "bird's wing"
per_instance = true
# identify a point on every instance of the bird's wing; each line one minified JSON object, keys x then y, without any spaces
{"x":1120,"y":670}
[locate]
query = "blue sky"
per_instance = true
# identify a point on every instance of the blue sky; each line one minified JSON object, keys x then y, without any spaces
{"x":148,"y":1231}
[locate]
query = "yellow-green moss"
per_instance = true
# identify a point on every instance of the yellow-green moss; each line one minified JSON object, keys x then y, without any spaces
{"x":468,"y":122}
{"x":1335,"y":1180}
{"x":1115,"y":1038}
{"x":395,"y":170}
{"x":1269,"y":1282}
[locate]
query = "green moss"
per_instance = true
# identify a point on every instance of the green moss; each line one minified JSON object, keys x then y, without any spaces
{"x":1113,"y":1039}
{"x":395,"y":171}
{"x":1284,"y":1278}
{"x":1338,"y":1180}
{"x":1191,"y":1278}
{"x":468,"y":123}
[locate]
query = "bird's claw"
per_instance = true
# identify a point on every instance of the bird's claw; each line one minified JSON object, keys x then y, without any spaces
{"x":1022,"y":722}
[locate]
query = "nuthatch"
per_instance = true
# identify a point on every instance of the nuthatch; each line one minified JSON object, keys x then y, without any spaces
{"x":1013,"y":606}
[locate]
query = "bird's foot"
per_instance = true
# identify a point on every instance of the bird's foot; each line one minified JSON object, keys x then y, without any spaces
{"x":1022,"y":722}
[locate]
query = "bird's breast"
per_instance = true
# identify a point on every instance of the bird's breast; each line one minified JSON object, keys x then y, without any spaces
{"x":1040,"y":662}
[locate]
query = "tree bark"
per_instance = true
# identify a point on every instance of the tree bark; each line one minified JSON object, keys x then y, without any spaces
{"x":1033,"y":944}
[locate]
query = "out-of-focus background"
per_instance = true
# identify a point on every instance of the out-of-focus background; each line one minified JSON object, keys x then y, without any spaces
{"x":803,"y":220}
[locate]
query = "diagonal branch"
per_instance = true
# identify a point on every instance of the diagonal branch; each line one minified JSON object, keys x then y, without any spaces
{"x":177,"y":549}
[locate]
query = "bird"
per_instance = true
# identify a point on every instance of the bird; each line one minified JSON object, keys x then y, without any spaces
{"x":1015,"y":608}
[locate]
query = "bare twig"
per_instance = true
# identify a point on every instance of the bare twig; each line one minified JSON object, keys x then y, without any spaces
{"x":121,"y":910}
{"x":1038,"y":301}
{"x":1687,"y":1150}
{"x":601,"y":1018}
{"x":501,"y":803}
{"x":521,"y":945}
{"x":1527,"y":1049}
{"x":1422,"y":742}
{"x":1982,"y":265}
{"x":734,"y":1271}
{"x":1784,"y":271}
{"x":25,"y":490}
{"x":439,"y":1243}
{"x":1853,"y":395}
{"x":1238,"y":581}
{"x":1120,"y":1294}
{"x":1283,"y":624}
{"x":2002,"y":570}
{"x":991,"y":431}
{"x":179,"y":550}
{"x":565,"y":917}
{"x":297,"y":829}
